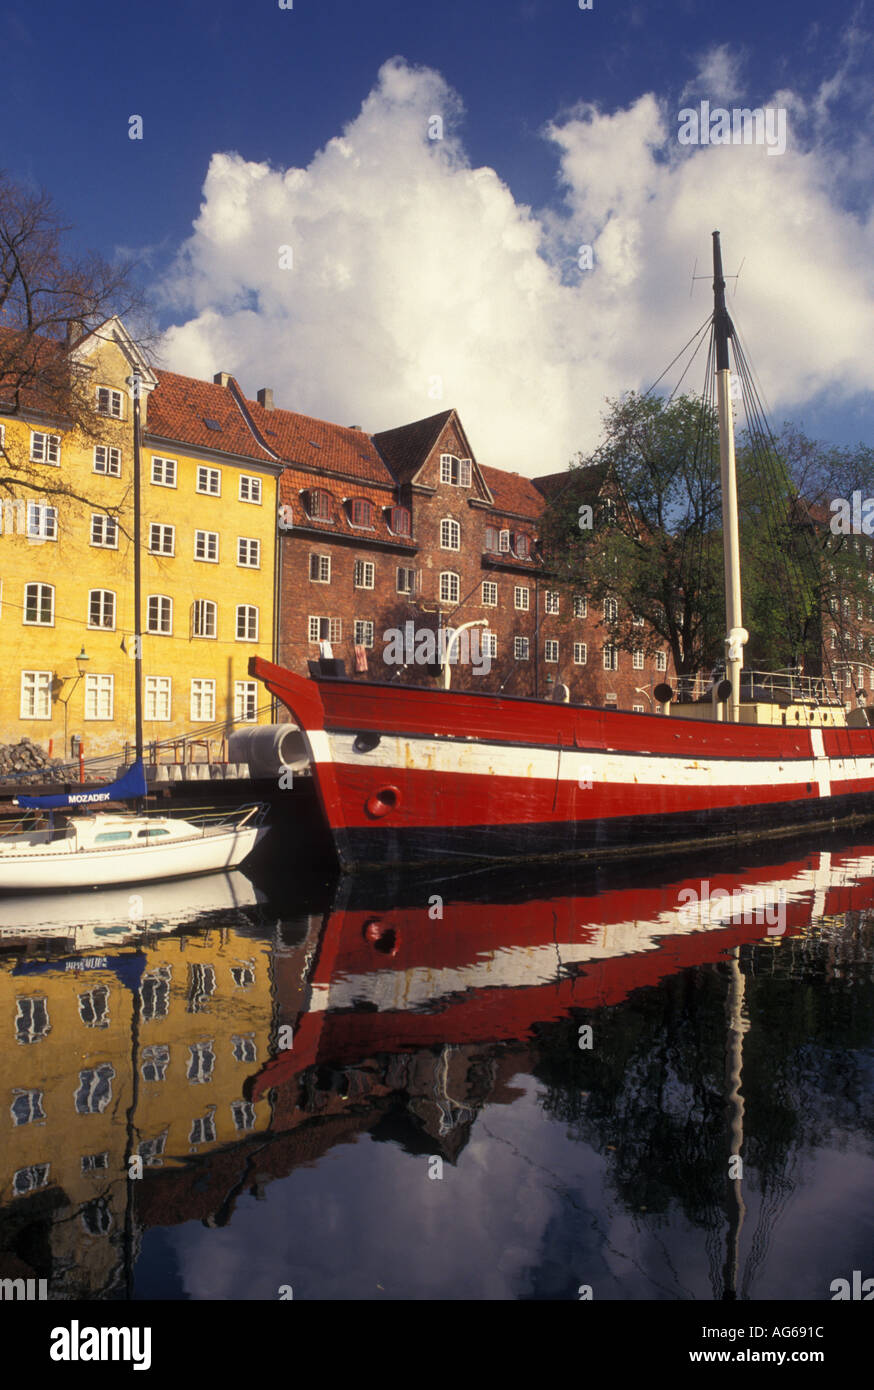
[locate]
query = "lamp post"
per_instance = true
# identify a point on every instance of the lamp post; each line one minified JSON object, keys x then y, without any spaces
{"x":644,"y":690}
{"x":81,"y":666}
{"x":447,"y":669}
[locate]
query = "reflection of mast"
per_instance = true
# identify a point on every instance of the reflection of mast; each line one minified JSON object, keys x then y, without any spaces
{"x":128,"y":1149}
{"x":736,"y":1207}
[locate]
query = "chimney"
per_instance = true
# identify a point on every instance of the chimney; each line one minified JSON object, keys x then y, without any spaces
{"x":353,"y":427}
{"x":265,"y":397}
{"x":222,"y":378}
{"x":75,"y":332}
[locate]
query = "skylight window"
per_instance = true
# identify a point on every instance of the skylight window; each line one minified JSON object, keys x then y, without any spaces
{"x":211,"y":424}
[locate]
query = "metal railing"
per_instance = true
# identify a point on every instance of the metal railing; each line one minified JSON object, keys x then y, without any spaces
{"x":782,"y":687}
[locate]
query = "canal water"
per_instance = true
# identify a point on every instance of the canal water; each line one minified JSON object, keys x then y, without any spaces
{"x":641,"y":1083}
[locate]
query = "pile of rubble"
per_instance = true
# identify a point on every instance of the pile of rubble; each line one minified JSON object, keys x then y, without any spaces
{"x":26,"y":763}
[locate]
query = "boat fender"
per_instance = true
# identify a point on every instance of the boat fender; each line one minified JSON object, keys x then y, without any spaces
{"x":381,"y":936}
{"x":381,"y":802}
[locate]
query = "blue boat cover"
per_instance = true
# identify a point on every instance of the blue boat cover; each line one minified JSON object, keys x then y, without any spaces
{"x":131,"y":785}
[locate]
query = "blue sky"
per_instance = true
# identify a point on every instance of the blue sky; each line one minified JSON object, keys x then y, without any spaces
{"x":422,"y":280}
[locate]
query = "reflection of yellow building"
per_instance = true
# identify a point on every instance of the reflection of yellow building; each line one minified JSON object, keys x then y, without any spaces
{"x":85,"y":1083}
{"x":66,"y":565}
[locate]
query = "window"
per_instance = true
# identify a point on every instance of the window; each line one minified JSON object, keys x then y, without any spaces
{"x":320,"y":505}
{"x":247,"y":622}
{"x":363,"y":632}
{"x":159,"y":614}
{"x":203,"y":618}
{"x":450,"y":534}
{"x":448,"y":587}
{"x":27,"y":1107}
{"x":157,"y":701}
{"x":637,"y":620}
{"x":551,"y":653}
{"x":104,"y":531}
{"x":201,"y":1063}
{"x":611,"y":657}
{"x":94,"y":1007}
{"x":202,"y":1131}
{"x":320,"y":569}
{"x":611,"y":610}
{"x":162,"y":539}
{"x":250,"y":489}
{"x":155,"y":1061}
{"x":243,"y":1047}
{"x":30,"y":1179}
{"x":521,"y":598}
{"x":661,"y":661}
{"x":489,"y":644}
{"x":95,"y":1089}
{"x":206,"y":546}
{"x":31,"y":1019}
{"x":491,"y":539}
{"x":243,"y":1112}
{"x":523,"y":547}
{"x":637,"y":659}
{"x":520,"y":648}
{"x":406,"y":580}
{"x":95,"y":1163}
{"x":362,"y":512}
{"x":155,"y":992}
{"x":325,"y":630}
{"x":833,"y":638}
{"x":39,"y":605}
{"x":45,"y":448}
{"x":504,"y":541}
{"x":98,"y":696}
{"x":248,"y":552}
{"x":363,"y":574}
{"x":638,"y":709}
{"x":202,"y":701}
{"x":42,"y":521}
{"x":209,"y":480}
{"x":109,"y":402}
{"x":36,"y":695}
{"x":581,"y":653}
{"x":581,"y":607}
{"x":401,"y":521}
{"x":163,"y":472}
{"x":490,"y":594}
{"x":453,"y":470}
{"x":107,"y":460}
{"x":101,"y":608}
{"x":551,"y":598}
{"x":245,"y":701}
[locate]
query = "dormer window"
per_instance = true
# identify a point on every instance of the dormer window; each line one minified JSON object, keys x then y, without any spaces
{"x":504,"y":542}
{"x":491,"y":538}
{"x":523,"y":547}
{"x":361,"y":512}
{"x":400,"y":521}
{"x":319,"y":504}
{"x":109,"y":402}
{"x":455,"y":471}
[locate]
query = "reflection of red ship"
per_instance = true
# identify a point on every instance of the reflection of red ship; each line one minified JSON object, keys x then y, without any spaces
{"x":404,"y":978}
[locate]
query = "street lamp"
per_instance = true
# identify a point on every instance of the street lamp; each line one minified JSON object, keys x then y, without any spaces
{"x":447,"y":669}
{"x":644,"y":690}
{"x":81,"y":666}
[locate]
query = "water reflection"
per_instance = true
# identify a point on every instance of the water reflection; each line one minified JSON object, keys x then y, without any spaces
{"x":605,"y":1048}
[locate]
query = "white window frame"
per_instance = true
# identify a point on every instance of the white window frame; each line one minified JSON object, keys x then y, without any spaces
{"x":361,"y":571}
{"x":323,"y":565}
{"x":243,"y":617}
{"x":661,"y":661}
{"x":611,"y":656}
{"x":204,"y":478}
{"x":111,"y":460}
{"x":581,"y":606}
{"x":550,"y":651}
{"x":449,"y":464}
{"x":637,"y":659}
{"x":40,"y":587}
{"x":245,"y":552}
{"x":48,"y":450}
{"x":504,"y":542}
{"x":552,"y":601}
{"x":201,"y":609}
{"x":97,"y":686}
{"x":489,"y":594}
{"x":611,"y":610}
{"x":202,"y":688}
{"x":449,"y":581}
{"x":161,"y":467}
{"x":113,"y":398}
{"x":104,"y":524}
{"x":35,"y":694}
{"x":489,"y":644}
{"x":521,"y":598}
{"x":253,"y":486}
{"x":102,"y":626}
{"x":42,"y":521}
{"x":156,"y":689}
{"x":332,"y":633}
{"x":163,"y":530}
{"x":245,"y":699}
{"x":581,"y":653}
{"x":161,"y":600}
{"x":363,"y":631}
{"x":450,"y":534}
{"x":412,"y":575}
{"x":208,"y":542}
{"x":521,"y":649}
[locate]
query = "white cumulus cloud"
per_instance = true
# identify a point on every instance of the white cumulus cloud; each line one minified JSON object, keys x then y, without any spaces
{"x":413,"y":282}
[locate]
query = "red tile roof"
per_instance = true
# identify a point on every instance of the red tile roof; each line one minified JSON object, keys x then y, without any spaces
{"x":513,"y":494}
{"x":406,"y":448}
{"x":179,"y":405}
{"x":304,"y":439}
{"x":294,"y":482}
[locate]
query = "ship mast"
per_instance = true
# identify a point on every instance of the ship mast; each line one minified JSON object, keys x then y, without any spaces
{"x":736,"y":635}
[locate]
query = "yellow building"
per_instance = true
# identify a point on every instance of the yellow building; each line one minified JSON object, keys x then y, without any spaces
{"x":66,"y":563}
{"x":108,"y":1056}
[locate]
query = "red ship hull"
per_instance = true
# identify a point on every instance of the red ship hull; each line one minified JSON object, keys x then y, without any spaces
{"x":407,"y":775}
